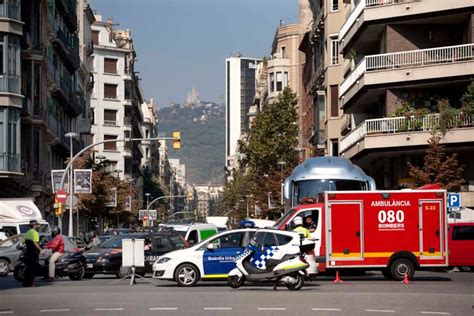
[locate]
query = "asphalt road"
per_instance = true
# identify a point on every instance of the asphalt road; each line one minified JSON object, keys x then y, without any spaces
{"x":429,"y":294}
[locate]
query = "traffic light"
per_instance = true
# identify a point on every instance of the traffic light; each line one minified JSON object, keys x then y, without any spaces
{"x":190,"y":195}
{"x":58,"y":211}
{"x":176,"y":140}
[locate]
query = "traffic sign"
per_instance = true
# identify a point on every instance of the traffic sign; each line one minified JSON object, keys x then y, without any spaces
{"x":61,"y":196}
{"x":454,"y":200}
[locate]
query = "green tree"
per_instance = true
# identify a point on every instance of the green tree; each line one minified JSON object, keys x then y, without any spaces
{"x":438,"y":167}
{"x":268,"y":154}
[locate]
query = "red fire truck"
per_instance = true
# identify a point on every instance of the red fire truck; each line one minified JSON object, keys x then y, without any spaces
{"x":396,"y":232}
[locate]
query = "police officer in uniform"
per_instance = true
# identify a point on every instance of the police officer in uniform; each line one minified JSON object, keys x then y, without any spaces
{"x":299,"y":228}
{"x":33,"y":249}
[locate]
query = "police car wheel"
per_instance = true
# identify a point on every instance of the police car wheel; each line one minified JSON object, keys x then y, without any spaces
{"x":4,"y":267}
{"x":235,"y":281}
{"x":186,"y":275}
{"x":400,"y":267}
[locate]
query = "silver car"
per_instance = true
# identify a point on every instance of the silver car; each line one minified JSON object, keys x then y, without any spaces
{"x":9,"y":254}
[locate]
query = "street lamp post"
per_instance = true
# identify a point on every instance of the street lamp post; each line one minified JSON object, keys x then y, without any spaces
{"x":73,"y":158}
{"x":159,"y":198}
{"x":147,"y":197}
{"x":71,"y":135}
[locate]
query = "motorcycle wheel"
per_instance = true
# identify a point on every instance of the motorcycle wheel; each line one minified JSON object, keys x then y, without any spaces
{"x":298,"y":284}
{"x":19,"y":273}
{"x":235,"y":281}
{"x":80,"y":274}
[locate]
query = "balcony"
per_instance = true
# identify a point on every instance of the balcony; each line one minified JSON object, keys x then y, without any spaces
{"x":10,"y":163}
{"x":110,"y":122}
{"x":404,"y":131}
{"x":61,"y":42}
{"x":11,"y":9}
{"x":10,"y":83}
{"x":74,"y":106}
{"x":407,"y":67}
{"x":371,"y":12}
{"x":68,"y":8}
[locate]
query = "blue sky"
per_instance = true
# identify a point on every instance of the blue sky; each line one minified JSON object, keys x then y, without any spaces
{"x":184,"y":42}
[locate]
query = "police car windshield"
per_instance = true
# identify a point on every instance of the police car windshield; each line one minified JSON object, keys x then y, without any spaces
{"x":311,"y":188}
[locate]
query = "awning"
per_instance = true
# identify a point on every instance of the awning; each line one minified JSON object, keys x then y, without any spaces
{"x":19,"y":209}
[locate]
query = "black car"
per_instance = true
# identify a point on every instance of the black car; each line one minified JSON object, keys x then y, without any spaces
{"x":107,"y":258}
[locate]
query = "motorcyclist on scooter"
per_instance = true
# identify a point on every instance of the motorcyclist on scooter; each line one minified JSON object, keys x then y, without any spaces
{"x":57,"y":248}
{"x":299,"y":228}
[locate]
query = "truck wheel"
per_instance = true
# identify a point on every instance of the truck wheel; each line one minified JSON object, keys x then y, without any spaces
{"x":386,"y":273}
{"x":400,"y":267}
{"x":4,"y":267}
{"x":186,"y":275}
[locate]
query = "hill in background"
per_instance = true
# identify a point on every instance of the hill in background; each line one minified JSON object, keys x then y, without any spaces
{"x":202,"y":129}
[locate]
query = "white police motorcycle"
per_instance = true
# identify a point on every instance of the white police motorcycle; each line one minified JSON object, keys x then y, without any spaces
{"x":275,"y":256}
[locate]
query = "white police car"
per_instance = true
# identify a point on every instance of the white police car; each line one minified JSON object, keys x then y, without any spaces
{"x":211,"y":259}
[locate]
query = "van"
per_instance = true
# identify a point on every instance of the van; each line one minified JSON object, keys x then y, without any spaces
{"x":193,"y":233}
{"x":461,"y":245}
{"x":16,"y":214}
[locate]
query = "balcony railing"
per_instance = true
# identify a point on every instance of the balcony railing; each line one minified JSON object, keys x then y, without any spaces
{"x":356,"y":12}
{"x":10,"y":162}
{"x":408,"y":59}
{"x":10,"y":83}
{"x":393,"y":125}
{"x":11,"y":9}
{"x":63,"y":38}
{"x":110,"y":122}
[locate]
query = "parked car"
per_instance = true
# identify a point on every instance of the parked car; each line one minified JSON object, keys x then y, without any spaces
{"x":9,"y":254}
{"x":107,"y":258}
{"x":200,"y":262}
{"x":461,"y":246}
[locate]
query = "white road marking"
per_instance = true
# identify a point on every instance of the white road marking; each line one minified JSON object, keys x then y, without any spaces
{"x":326,"y":309}
{"x":380,"y":310}
{"x":7,"y":312}
{"x":272,"y":308}
{"x":217,"y":308}
{"x":55,"y":310}
{"x":163,"y":308}
{"x":435,"y":313}
{"x":109,"y":309}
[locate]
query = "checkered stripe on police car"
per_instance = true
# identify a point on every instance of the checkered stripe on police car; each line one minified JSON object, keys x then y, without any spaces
{"x":261,"y":261}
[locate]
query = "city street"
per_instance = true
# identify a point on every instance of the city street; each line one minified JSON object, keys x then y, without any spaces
{"x":429,"y":294}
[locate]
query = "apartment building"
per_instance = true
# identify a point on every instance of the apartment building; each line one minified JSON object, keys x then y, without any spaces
{"x":42,"y":97}
{"x":399,"y":54}
{"x":239,"y":96}
{"x":322,"y":72}
{"x":117,"y":99}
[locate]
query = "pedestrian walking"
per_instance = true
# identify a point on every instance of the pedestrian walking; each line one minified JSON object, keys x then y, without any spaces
{"x":33,"y":250}
{"x":56,"y":245}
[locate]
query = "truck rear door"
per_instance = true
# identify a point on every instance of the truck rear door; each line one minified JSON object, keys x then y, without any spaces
{"x":431,"y":229}
{"x":345,"y":237}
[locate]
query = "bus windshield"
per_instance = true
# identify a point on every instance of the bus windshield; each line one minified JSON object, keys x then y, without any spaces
{"x":311,"y":188}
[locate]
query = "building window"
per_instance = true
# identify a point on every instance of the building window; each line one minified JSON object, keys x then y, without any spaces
{"x":112,"y":145}
{"x":283,"y":51}
{"x":334,"y":41}
{"x":285,"y":79}
{"x":95,"y":37}
{"x":128,"y":90}
{"x":272,"y":82}
{"x":110,"y":117}
{"x":110,"y":65}
{"x":110,"y":91}
{"x":334,"y":147}
{"x":334,"y":101}
{"x":279,"y":81}
{"x":92,"y":116}
{"x":9,"y":64}
{"x":9,"y":139}
{"x":335,"y":5}
{"x":147,"y":155}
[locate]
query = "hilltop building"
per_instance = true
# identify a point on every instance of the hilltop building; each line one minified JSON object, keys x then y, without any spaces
{"x":193,"y":97}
